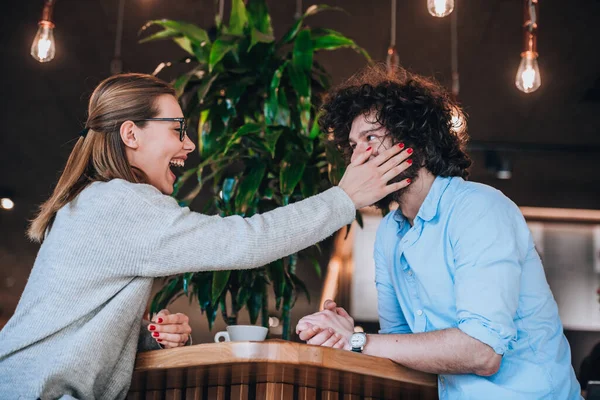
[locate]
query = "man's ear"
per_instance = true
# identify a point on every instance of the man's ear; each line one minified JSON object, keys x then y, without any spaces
{"x":128,"y":133}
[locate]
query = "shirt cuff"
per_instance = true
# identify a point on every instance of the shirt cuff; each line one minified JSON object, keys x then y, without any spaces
{"x":486,"y":335}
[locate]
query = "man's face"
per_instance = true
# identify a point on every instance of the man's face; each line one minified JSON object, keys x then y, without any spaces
{"x":365,"y":133}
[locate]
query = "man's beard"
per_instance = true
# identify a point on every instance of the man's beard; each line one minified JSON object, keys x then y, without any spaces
{"x":411,"y":173}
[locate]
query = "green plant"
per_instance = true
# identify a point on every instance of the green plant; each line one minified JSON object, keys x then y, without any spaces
{"x":255,"y":101}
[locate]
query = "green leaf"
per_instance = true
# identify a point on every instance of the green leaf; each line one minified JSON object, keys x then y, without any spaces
{"x":277,"y":276}
{"x":205,"y":87}
{"x":211,"y":128}
{"x":219,"y":283}
{"x":276,"y":108}
{"x":196,"y":34}
{"x":166,"y":294}
{"x":238,"y":18}
{"x":249,"y":186}
{"x":292,"y":168}
{"x":302,"y":56}
{"x":185,"y":43}
{"x":359,"y":219}
{"x":244,"y":130}
{"x":333,"y":40}
{"x":312,"y":10}
{"x":258,"y":16}
{"x":309,"y":185}
{"x":300,"y":285}
{"x":337,"y":166}
{"x":255,"y":303}
{"x":272,"y":135}
{"x":257,"y":36}
{"x":182,"y":179}
{"x":317,"y":266}
{"x":228,"y":189}
{"x":218,"y":50}
{"x":316,"y":129}
{"x":187,"y":277}
{"x":160,"y":35}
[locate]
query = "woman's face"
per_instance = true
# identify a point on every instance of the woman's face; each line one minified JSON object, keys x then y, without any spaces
{"x":157,"y":147}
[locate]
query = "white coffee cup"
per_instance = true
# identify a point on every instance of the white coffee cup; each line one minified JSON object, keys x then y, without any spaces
{"x":241,"y":333}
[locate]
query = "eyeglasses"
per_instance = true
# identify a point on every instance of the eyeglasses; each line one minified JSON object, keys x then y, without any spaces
{"x":182,"y":125}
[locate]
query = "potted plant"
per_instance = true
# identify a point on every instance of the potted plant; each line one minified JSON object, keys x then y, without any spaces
{"x":255,"y":101}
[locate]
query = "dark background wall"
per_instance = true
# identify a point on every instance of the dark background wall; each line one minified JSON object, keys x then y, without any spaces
{"x":551,"y":136}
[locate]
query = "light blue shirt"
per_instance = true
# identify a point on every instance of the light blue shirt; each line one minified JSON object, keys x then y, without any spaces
{"x":469,"y":262}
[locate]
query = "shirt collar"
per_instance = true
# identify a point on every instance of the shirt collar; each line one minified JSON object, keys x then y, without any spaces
{"x":429,"y":208}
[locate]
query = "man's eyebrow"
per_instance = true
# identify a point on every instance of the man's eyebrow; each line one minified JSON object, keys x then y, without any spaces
{"x":365,"y":132}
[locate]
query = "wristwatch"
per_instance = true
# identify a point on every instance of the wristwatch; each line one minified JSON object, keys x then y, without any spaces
{"x":358,"y":340}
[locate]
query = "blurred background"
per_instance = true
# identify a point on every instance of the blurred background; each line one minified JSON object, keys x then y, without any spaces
{"x":542,"y":149}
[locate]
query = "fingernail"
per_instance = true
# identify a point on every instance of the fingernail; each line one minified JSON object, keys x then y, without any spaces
{"x":152,"y":327}
{"x":159,"y":340}
{"x":409,"y":161}
{"x":368,"y":148}
{"x":408,"y":180}
{"x":155,"y":334}
{"x":409,"y":151}
{"x":160,"y":320}
{"x":401,"y":145}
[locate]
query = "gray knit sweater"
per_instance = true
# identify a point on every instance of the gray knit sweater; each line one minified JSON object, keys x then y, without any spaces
{"x":75,"y":331}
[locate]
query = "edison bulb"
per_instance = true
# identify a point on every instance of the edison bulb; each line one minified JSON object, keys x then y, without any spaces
{"x":528,"y":77}
{"x":43,"y":48}
{"x":440,"y":8}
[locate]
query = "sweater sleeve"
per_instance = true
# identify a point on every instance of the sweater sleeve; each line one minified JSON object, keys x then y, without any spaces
{"x":186,"y":241}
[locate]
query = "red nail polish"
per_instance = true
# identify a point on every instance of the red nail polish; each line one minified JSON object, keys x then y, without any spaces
{"x":152,"y":327}
{"x":368,"y":148}
{"x":409,"y":151}
{"x":160,"y":320}
{"x":401,"y":145}
{"x":155,"y":334}
{"x":159,"y":340}
{"x":408,"y":180}
{"x":409,"y":161}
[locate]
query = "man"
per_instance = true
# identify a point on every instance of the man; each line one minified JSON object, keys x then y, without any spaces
{"x":461,"y":289}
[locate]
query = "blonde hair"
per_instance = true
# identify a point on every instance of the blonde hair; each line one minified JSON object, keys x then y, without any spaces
{"x":100,"y":154}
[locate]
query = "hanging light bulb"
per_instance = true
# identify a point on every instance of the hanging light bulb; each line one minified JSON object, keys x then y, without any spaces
{"x":528,"y":77}
{"x":440,"y":8}
{"x":43,"y":48}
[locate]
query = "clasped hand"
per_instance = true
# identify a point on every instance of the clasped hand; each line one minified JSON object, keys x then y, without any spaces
{"x":331,"y":327}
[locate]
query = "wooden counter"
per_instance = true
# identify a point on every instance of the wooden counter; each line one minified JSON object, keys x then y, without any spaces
{"x":273,"y":369}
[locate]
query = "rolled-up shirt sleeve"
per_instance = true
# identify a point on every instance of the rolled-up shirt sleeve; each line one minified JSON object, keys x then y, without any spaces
{"x":391,"y":317}
{"x":488,"y":269}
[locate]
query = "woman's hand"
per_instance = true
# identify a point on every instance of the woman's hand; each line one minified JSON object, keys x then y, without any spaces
{"x":170,"y":330}
{"x":367,"y":181}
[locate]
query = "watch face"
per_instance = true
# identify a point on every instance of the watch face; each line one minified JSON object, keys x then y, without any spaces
{"x":358,"y":340}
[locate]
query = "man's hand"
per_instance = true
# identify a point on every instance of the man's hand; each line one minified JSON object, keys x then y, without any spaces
{"x":331,"y":327}
{"x":170,"y":330}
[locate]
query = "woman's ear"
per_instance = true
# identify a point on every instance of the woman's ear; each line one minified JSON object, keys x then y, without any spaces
{"x":128,"y":133}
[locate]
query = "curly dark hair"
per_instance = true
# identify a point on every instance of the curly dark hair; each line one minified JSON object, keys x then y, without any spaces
{"x":414,"y":110}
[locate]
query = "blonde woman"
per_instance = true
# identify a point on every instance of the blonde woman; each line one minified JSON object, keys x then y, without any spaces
{"x":110,"y":227}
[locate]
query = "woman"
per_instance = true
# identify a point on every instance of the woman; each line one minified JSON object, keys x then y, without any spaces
{"x":110,"y":228}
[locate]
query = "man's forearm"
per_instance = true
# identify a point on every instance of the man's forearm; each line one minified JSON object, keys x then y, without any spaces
{"x":448,"y":351}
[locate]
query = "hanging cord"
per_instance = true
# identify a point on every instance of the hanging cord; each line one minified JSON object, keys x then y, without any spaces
{"x":116,"y":66}
{"x":454,"y":52}
{"x":393,"y":25}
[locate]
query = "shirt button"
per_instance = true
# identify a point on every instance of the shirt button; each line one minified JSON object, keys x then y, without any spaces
{"x":410,"y":273}
{"x":419,"y":312}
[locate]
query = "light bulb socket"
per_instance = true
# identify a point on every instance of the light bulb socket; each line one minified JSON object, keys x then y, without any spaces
{"x":529,"y":54}
{"x":46,"y":24}
{"x":47,"y":11}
